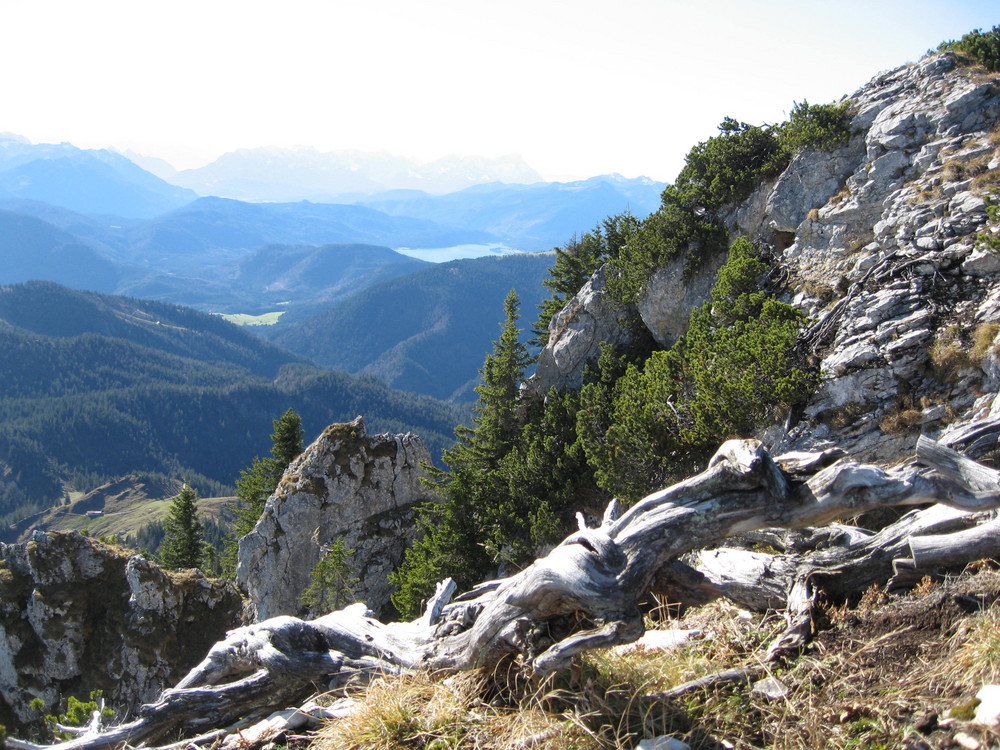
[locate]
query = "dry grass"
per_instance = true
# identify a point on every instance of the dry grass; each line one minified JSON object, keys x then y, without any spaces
{"x":823,"y":293}
{"x":986,"y":180}
{"x":993,"y":136}
{"x":421,"y":711}
{"x":842,"y":196}
{"x":875,"y":668}
{"x":900,"y":419}
{"x":903,"y":417}
{"x":949,"y":355}
{"x":983,"y":339}
{"x":846,"y":416}
{"x":956,"y":170}
{"x":953,"y":352}
{"x":976,"y":653}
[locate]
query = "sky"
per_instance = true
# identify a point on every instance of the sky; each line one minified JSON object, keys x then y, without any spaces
{"x":576,"y":88}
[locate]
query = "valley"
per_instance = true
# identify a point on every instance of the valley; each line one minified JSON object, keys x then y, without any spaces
{"x":103,"y":375}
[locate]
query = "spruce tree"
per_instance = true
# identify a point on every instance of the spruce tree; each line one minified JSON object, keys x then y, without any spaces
{"x":287,"y":439}
{"x":182,"y":545}
{"x":577,"y":262}
{"x":258,"y":481}
{"x":467,"y":535}
{"x":332,"y":581}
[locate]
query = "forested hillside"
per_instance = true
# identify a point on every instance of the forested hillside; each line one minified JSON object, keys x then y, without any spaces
{"x":316,"y":276}
{"x":424,"y":332}
{"x":768,"y":413}
{"x":35,"y":249}
{"x":94,"y":386}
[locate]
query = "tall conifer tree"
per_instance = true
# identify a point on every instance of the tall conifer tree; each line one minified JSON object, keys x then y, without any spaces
{"x":182,"y":545}
{"x":466,"y":535}
{"x":259,"y":480}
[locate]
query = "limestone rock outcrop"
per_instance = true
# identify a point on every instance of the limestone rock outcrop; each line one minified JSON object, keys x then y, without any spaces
{"x":363,"y":490}
{"x":889,"y":270}
{"x":77,"y":615}
{"x":880,"y":242}
{"x":672,"y":293}
{"x":575,"y":336}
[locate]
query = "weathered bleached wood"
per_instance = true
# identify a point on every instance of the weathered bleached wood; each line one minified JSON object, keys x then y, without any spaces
{"x":964,"y":471}
{"x":958,"y":548}
{"x":443,"y":593}
{"x":582,"y":595}
{"x":849,"y":560}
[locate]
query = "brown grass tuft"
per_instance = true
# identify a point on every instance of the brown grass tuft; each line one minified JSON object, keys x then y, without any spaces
{"x":949,"y":355}
{"x":983,"y":339}
{"x":899,"y":420}
{"x":422,"y":711}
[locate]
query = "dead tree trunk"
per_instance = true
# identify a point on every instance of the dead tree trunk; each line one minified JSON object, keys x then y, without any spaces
{"x":585,"y":594}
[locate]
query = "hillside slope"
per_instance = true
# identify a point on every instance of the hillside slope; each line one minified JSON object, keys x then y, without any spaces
{"x":426,"y":332}
{"x":94,"y":386}
{"x":34,"y":249}
{"x":884,"y":242}
{"x":533,"y":217}
{"x":83,"y":180}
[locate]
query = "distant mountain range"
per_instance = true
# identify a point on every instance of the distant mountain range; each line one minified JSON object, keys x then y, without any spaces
{"x":285,"y":175}
{"x":346,"y":295}
{"x":219,"y":254}
{"x":31,"y":248}
{"x":394,"y":201}
{"x":533,"y":217}
{"x":95,"y":385}
{"x":85,"y":181}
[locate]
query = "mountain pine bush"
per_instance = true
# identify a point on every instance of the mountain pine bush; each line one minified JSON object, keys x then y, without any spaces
{"x":978,"y":47}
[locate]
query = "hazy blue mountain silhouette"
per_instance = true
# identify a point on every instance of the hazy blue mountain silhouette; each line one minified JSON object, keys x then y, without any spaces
{"x":33,"y":249}
{"x":534,"y":217}
{"x":86,"y":181}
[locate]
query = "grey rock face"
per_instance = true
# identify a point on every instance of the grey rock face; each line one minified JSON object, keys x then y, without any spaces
{"x":879,"y":243}
{"x":670,"y":295}
{"x":812,"y":177}
{"x":575,"y":336}
{"x":77,"y":615}
{"x":348,"y":486}
{"x":888,"y":268}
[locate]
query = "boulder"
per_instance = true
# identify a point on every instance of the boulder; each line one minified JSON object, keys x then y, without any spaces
{"x":77,"y":615}
{"x":346,"y":486}
{"x":809,"y":181}
{"x":672,"y":292}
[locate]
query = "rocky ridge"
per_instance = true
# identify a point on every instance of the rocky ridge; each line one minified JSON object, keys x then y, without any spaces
{"x":77,"y":615}
{"x":879,"y":243}
{"x":363,"y":490}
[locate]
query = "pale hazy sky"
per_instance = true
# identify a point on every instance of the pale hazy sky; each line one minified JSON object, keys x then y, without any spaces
{"x":577,"y":88}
